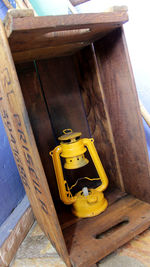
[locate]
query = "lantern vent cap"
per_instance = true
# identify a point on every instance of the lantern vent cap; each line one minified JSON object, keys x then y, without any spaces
{"x":69,"y":136}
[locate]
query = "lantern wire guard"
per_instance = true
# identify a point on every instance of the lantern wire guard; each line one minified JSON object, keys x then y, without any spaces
{"x":88,"y":202}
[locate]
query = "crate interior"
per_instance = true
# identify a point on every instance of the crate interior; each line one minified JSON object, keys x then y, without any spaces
{"x":86,"y":91}
{"x":54,"y":102}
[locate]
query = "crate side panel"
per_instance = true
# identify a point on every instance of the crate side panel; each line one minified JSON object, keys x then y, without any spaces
{"x":91,"y":88}
{"x":40,"y":121}
{"x":123,"y":107}
{"x":24,"y":149}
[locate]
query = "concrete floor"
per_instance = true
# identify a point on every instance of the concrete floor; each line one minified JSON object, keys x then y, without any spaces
{"x":37,"y":251}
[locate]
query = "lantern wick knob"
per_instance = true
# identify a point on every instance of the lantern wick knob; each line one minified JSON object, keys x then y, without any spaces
{"x":85,"y":191}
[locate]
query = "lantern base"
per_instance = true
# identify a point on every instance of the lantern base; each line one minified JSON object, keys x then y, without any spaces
{"x":89,"y":206}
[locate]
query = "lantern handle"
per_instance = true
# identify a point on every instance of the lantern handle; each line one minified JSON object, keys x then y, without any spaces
{"x":60,"y":177}
{"x":89,"y":143}
{"x":65,"y":131}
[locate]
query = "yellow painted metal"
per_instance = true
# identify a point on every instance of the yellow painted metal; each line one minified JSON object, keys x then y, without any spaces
{"x":89,"y":206}
{"x":60,"y":177}
{"x":76,"y":162}
{"x":72,"y":149}
{"x":69,"y":135}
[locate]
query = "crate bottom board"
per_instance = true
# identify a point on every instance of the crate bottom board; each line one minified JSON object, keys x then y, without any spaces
{"x":90,"y":240}
{"x":66,"y":217}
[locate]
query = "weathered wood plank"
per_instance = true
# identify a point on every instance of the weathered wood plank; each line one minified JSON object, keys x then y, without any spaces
{"x":12,"y":219}
{"x":47,"y":52}
{"x":24,"y":149}
{"x":123,"y":107}
{"x":16,"y":236}
{"x":39,"y":118}
{"x":92,"y":239}
{"x":62,"y":95}
{"x":70,"y":22}
{"x":97,"y":115}
{"x":44,"y":34}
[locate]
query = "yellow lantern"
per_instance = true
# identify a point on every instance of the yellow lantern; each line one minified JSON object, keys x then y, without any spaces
{"x":87,"y":202}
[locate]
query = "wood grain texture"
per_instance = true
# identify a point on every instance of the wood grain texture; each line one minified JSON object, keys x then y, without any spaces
{"x":37,"y":251}
{"x":92,"y":92}
{"x":25,"y":151}
{"x":44,"y":34}
{"x":15,"y":13}
{"x":62,"y":95}
{"x":47,"y":52}
{"x":12,"y":220}
{"x":123,"y":107}
{"x":78,"y":2}
{"x":39,"y":118}
{"x":64,"y":103}
{"x":17,"y":235}
{"x":92,"y":239}
{"x":138,"y":248}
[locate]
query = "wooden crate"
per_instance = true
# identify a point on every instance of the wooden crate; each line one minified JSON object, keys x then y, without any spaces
{"x":74,"y":72}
